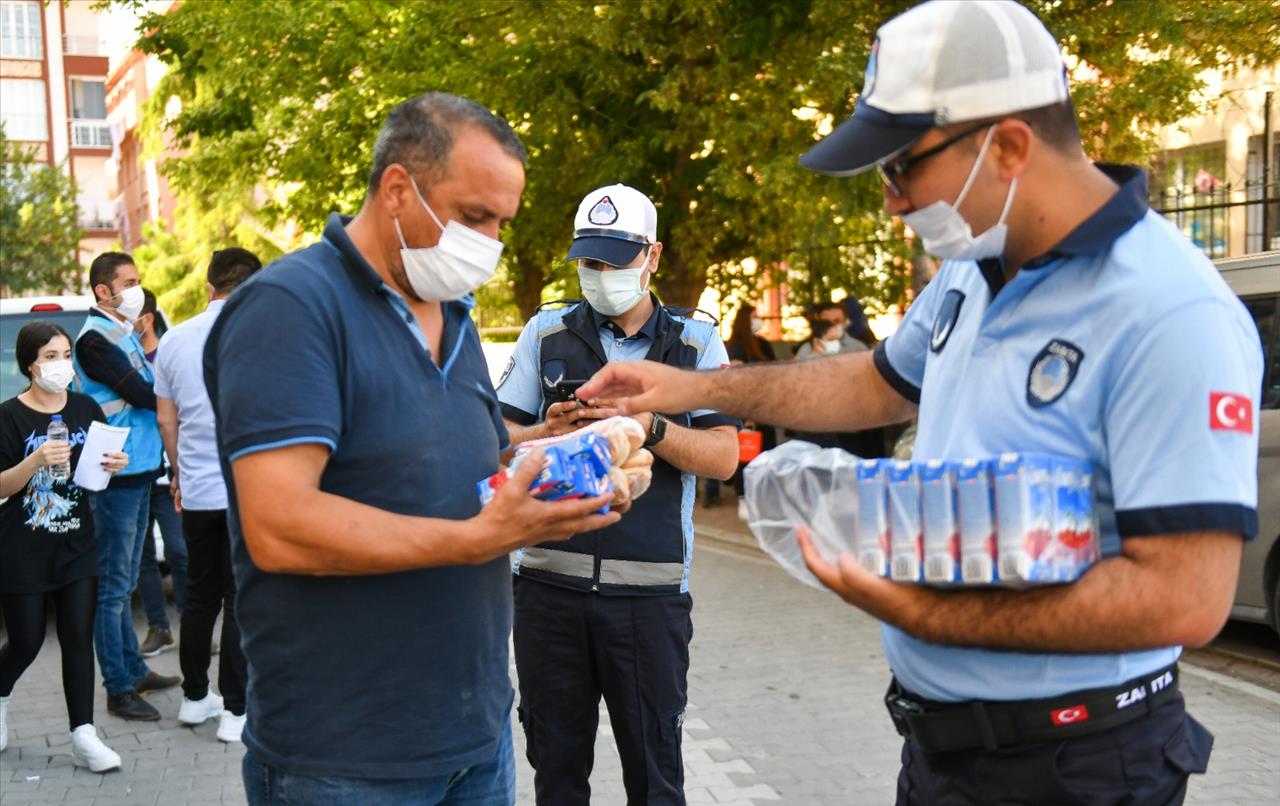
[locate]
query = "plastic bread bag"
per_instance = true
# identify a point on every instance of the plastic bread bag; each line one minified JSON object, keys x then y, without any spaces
{"x":625,"y":436}
{"x":801,"y":484}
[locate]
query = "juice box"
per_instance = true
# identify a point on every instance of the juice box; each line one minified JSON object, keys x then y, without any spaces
{"x":941,"y":529}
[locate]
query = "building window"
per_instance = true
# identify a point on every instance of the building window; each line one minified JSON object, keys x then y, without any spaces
{"x":88,"y":99}
{"x":1187,"y":186}
{"x":20,"y":32}
{"x":22,"y":109}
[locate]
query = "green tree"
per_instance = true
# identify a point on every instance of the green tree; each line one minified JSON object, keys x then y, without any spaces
{"x":704,"y":105}
{"x":39,"y":229}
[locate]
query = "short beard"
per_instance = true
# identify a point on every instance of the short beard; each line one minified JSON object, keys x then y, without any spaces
{"x":402,"y":279}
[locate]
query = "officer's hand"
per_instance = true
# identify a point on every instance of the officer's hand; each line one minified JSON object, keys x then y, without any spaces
{"x":514,"y":518}
{"x":598,"y":410}
{"x":54,"y":452}
{"x":560,"y":418}
{"x":643,"y":386}
{"x":883,"y":598}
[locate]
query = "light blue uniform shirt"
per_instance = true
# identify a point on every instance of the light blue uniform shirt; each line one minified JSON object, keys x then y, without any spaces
{"x":520,"y":388}
{"x":1117,"y":346}
{"x":179,"y":369}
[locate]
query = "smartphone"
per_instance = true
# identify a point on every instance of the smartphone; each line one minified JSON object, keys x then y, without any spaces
{"x":567,"y":391}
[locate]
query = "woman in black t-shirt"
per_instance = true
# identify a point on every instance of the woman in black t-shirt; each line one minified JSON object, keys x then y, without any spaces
{"x":47,"y":545}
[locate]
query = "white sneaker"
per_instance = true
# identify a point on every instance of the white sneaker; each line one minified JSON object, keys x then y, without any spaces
{"x":230,"y":727}
{"x":195,"y":712}
{"x":87,"y":750}
{"x":4,"y":722}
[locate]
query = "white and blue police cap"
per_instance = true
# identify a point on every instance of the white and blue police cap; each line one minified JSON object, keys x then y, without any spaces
{"x":612,"y":225}
{"x":940,"y":63}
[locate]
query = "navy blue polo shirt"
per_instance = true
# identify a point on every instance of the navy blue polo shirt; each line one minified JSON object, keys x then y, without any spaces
{"x":384,"y":676}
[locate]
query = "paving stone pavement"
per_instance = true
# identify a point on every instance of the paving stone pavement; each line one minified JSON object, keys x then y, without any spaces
{"x":785,"y":709}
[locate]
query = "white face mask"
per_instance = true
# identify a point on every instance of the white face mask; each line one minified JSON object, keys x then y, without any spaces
{"x":55,"y":376}
{"x":131,"y":300}
{"x":615,"y":292}
{"x":462,"y":261}
{"x":757,"y":325}
{"x":945,"y":232}
{"x":831,"y":345}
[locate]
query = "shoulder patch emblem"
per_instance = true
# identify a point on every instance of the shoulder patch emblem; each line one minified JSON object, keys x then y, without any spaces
{"x":1052,"y":371}
{"x":604,"y":213}
{"x":945,"y":323}
{"x":506,"y":373}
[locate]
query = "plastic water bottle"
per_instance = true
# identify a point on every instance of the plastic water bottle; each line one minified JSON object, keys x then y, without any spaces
{"x":58,"y":431}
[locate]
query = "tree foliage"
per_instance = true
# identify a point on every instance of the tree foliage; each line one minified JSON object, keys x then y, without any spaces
{"x":704,"y":105}
{"x":39,"y":227}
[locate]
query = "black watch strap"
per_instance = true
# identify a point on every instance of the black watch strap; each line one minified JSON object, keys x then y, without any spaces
{"x":657,"y":431}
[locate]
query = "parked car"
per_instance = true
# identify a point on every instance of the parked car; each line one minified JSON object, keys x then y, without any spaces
{"x":1256,"y":279}
{"x":68,"y":311}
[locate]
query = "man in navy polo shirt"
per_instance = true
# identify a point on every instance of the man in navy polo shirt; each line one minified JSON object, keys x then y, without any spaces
{"x":355,"y":416}
{"x":1075,"y":322}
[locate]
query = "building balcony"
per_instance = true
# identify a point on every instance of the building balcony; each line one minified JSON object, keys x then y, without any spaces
{"x":90,"y":134}
{"x":83,"y":45}
{"x":95,"y":224}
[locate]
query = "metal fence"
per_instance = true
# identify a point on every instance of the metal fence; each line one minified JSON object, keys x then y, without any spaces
{"x":1206,"y":216}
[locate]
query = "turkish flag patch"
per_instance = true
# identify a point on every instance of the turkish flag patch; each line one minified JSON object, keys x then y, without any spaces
{"x":1070,"y":716}
{"x":1230,"y":412}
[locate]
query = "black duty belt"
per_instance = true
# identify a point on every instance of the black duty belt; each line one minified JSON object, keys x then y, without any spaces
{"x":943,"y":727}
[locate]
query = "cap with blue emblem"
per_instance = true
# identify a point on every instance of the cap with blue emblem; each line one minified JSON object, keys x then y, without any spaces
{"x":612,"y":225}
{"x":941,"y":63}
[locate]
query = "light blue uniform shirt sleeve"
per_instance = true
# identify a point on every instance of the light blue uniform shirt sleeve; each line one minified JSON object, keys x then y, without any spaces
{"x":908,"y":347}
{"x":1181,"y":459}
{"x":714,"y":356}
{"x":520,"y":386}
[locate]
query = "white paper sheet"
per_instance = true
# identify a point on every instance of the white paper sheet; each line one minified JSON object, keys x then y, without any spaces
{"x":101,"y":438}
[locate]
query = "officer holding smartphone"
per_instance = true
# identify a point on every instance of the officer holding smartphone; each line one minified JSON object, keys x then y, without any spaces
{"x":608,"y":613}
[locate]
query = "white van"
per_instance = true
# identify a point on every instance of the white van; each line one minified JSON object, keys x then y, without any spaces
{"x":1256,"y":279}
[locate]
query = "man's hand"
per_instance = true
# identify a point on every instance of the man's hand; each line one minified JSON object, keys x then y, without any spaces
{"x":1162,"y":590}
{"x":560,"y":418}
{"x":175,"y":491}
{"x":639,"y":386}
{"x":853,"y":583}
{"x":515,"y":519}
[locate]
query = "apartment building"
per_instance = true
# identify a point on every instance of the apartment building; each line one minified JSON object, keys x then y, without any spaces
{"x":1218,"y":174}
{"x":53,"y":71}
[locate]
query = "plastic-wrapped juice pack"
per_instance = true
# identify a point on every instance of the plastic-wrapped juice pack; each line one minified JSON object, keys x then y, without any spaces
{"x":800,"y":483}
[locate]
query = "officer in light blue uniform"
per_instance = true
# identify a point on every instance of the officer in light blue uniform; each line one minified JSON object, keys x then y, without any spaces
{"x":608,"y":613}
{"x":1075,"y":322}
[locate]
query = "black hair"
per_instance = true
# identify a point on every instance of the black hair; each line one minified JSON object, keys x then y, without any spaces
{"x":1054,"y":125}
{"x":419,"y":133}
{"x":159,"y":325}
{"x":820,"y":328}
{"x":31,"y":338}
{"x":102,"y":271}
{"x":230,"y":267}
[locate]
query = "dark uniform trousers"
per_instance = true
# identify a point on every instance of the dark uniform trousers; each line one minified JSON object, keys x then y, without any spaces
{"x":571,"y":648}
{"x":1140,"y":763}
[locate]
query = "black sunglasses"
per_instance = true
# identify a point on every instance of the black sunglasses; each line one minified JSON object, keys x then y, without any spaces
{"x":890,"y":172}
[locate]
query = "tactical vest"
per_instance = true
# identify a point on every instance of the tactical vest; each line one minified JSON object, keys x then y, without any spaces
{"x":647,"y":552}
{"x":143,"y":443}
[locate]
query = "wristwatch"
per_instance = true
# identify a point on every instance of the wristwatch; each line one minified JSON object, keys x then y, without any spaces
{"x":657,"y":431}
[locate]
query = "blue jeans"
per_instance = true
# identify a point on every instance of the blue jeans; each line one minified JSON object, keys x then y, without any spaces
{"x":150,"y":583}
{"x":119,"y":517}
{"x":492,"y":783}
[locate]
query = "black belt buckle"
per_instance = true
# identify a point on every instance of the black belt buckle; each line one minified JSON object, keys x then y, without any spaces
{"x":901,"y":710}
